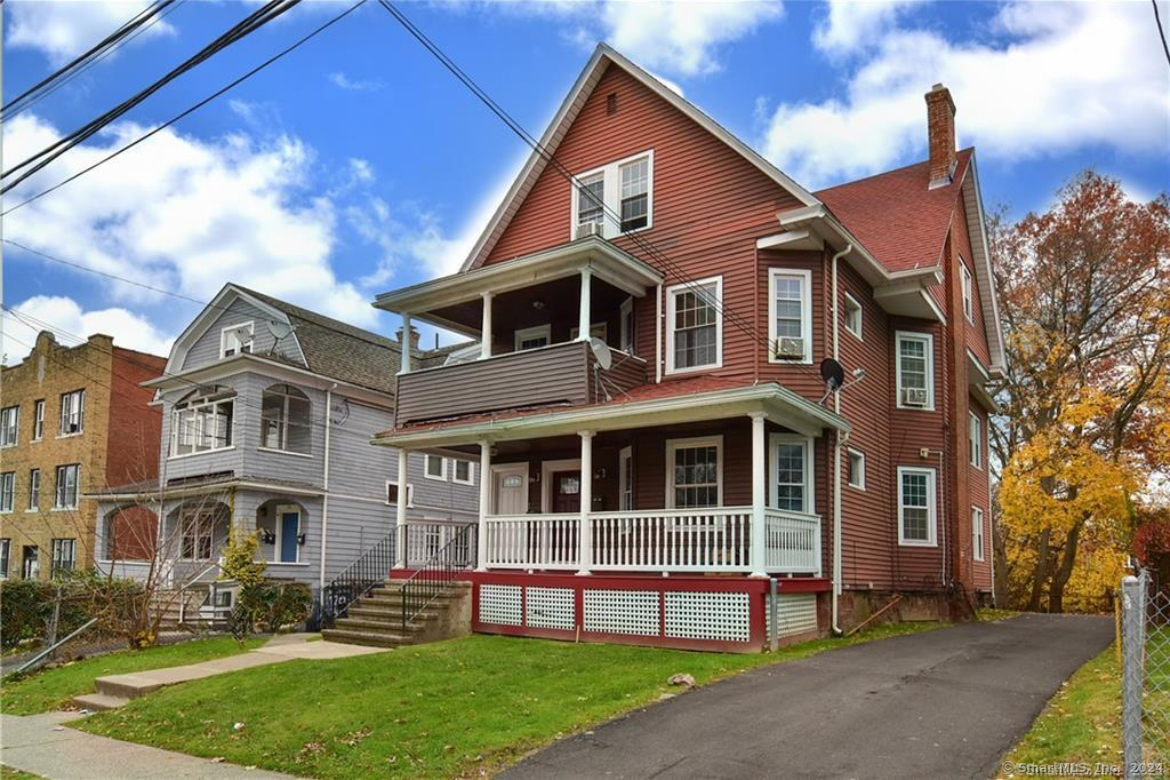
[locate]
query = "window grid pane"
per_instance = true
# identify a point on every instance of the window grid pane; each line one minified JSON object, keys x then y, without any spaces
{"x":913,"y":354}
{"x":695,"y":327}
{"x":696,"y":476}
{"x":590,"y":200}
{"x":915,"y":508}
{"x":790,"y":477}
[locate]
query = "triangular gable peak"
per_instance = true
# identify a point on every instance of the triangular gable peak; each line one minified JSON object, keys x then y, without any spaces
{"x":599,"y":64}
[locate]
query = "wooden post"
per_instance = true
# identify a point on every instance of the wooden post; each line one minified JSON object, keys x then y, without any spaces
{"x":585,"y":535}
{"x":759,"y":496}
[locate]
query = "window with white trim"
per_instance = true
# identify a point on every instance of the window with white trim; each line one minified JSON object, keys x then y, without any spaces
{"x":284,"y":420}
{"x":852,"y":315}
{"x":5,"y":552}
{"x":694,"y":333}
{"x":635,"y":204}
{"x":463,"y":471}
{"x":392,"y":493}
{"x":38,"y":420}
{"x":198,"y":530}
{"x":694,"y":472}
{"x":790,"y":315}
{"x":68,"y":486}
{"x":590,"y":204}
{"x":72,"y":413}
{"x":856,"y":469}
{"x":626,"y":479}
{"x":915,"y":370}
{"x":435,"y":467}
{"x":975,"y":439}
{"x":977,"y":533}
{"x":968,"y":293}
{"x":202,"y":422}
{"x":7,"y":491}
{"x":627,"y":326}
{"x":9,"y":426}
{"x":64,"y":555}
{"x":615,"y":198}
{"x":34,"y":490}
{"x":533,"y":338}
{"x":792,"y":473}
{"x":916,"y":506}
{"x":236,"y":339}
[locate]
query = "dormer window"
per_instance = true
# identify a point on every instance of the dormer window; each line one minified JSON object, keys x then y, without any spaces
{"x":236,"y":339}
{"x":615,"y":198}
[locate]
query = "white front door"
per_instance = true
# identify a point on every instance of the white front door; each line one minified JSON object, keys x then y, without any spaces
{"x":510,"y":489}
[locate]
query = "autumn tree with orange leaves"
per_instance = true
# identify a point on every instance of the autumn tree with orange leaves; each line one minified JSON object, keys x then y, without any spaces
{"x":1083,"y":438}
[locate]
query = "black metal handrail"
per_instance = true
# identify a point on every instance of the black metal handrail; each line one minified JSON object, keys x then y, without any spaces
{"x":432,"y":578}
{"x":356,"y":580}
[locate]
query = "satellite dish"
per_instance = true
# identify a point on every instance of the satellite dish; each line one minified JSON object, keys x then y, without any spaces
{"x":833,"y":373}
{"x":279,"y":330}
{"x":601,"y":353}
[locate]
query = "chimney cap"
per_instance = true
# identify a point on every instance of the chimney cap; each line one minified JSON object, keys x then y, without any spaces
{"x":938,"y":91}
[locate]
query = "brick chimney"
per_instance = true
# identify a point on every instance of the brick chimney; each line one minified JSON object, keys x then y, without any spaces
{"x":414,"y":336}
{"x":940,"y":129}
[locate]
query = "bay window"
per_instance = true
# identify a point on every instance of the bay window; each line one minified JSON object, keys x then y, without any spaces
{"x":284,"y":420}
{"x":203,"y":422}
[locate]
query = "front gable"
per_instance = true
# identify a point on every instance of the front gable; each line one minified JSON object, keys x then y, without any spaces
{"x":199,"y":344}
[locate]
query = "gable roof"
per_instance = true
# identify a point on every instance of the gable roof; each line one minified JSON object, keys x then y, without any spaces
{"x":603,"y":57}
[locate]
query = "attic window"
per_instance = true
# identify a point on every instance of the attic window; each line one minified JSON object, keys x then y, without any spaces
{"x":611,"y":103}
{"x":236,"y":339}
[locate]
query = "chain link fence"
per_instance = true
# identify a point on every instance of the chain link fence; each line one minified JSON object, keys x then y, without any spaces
{"x":1145,"y":643}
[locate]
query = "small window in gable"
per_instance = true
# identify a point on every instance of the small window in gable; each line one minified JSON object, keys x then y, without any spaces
{"x":968,"y":293}
{"x":852,"y":315}
{"x":615,"y":198}
{"x":236,"y":339}
{"x":635,"y":194}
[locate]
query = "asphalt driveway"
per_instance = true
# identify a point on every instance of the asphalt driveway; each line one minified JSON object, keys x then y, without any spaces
{"x":942,"y":704}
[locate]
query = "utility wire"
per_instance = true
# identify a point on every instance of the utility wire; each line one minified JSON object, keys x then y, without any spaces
{"x":1161,"y":32}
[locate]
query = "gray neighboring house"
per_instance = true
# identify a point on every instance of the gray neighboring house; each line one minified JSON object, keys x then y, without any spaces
{"x":268,"y":412}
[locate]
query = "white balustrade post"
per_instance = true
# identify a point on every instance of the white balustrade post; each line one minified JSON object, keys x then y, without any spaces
{"x":759,"y":496}
{"x":583,"y":314}
{"x":405,"y":342}
{"x":485,"y":495}
{"x":585,"y":536}
{"x":400,"y":510}
{"x":485,"y":333}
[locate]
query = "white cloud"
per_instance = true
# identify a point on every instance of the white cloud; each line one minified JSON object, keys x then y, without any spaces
{"x":342,"y":81}
{"x":1067,"y":76}
{"x":62,"y":30}
{"x":852,"y":25}
{"x":72,"y":324}
{"x":188,"y":215}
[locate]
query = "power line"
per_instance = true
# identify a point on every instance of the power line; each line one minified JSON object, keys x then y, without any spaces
{"x":190,"y":110}
{"x":1161,"y":32}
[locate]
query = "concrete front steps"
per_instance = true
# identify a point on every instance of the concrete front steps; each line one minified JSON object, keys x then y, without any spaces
{"x":376,"y":619}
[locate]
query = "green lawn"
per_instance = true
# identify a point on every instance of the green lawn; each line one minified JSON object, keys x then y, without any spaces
{"x":53,"y":689}
{"x":435,"y":710}
{"x":8,"y":773}
{"x":1082,"y":722}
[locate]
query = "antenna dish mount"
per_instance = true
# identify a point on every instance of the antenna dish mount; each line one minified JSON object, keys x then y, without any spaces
{"x":279,"y":330}
{"x":833,"y":373}
{"x":601,"y":353}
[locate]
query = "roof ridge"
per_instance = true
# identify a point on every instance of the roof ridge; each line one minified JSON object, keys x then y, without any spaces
{"x":324,"y":321}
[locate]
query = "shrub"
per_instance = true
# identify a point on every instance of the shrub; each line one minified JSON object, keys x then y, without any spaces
{"x":28,"y":607}
{"x":289,"y":603}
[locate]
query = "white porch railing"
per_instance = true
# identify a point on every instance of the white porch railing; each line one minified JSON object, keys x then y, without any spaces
{"x":658,"y":540}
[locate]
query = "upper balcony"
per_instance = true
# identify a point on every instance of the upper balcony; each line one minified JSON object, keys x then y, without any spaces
{"x":534,"y":318}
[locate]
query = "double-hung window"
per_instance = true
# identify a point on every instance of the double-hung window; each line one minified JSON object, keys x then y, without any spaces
{"x":792,"y":473}
{"x":977,"y":533}
{"x":9,"y":426}
{"x":975,"y":439}
{"x":916,"y":506}
{"x":533,"y":338}
{"x":591,"y":204}
{"x":5,"y":552}
{"x":856,"y":469}
{"x":38,"y":420}
{"x":694,"y":337}
{"x":72,"y":413}
{"x":202,"y":423}
{"x":790,"y":315}
{"x":64,"y":555}
{"x":7,"y":491}
{"x":968,"y":293}
{"x":435,"y":467}
{"x":915,"y":369}
{"x":236,"y":339}
{"x":464,"y":472}
{"x":34,"y":490}
{"x":198,"y":529}
{"x":284,"y":420}
{"x":635,"y":177}
{"x":68,"y":486}
{"x":694,"y":473}
{"x":853,"y":315}
{"x":615,"y":198}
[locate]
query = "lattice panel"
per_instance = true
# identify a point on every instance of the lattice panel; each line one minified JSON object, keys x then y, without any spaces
{"x":550,"y":608}
{"x":798,"y":614}
{"x":500,"y":604}
{"x":621,"y":612}
{"x":719,"y":616}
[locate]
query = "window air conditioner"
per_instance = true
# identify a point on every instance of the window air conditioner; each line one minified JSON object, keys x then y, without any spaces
{"x":589,"y":229}
{"x":789,"y":348}
{"x":914,"y":396}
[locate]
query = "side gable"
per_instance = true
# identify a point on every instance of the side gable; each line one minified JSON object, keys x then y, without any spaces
{"x":981,"y":260}
{"x":199,"y":343}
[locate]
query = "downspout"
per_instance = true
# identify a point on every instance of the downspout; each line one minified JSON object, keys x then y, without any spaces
{"x":658,"y":335}
{"x":837,"y":443}
{"x":325,"y":485}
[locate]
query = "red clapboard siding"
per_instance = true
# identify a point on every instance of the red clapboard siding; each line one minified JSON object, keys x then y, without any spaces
{"x":976,"y":334}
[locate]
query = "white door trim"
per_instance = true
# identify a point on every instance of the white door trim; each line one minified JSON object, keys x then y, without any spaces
{"x":499,"y":469}
{"x":547,"y":468}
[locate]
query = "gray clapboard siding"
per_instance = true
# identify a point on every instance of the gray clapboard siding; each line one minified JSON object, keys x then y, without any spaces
{"x":206,"y":349}
{"x":357,"y":467}
{"x":214,"y":461}
{"x":281,"y":465}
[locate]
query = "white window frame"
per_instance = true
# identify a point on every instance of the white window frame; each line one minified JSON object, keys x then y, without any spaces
{"x":853,"y":473}
{"x":198,"y":519}
{"x":78,"y":397}
{"x":627,"y":327}
{"x":977,"y":551}
{"x":278,"y":532}
{"x":56,"y":545}
{"x":5,"y":555}
{"x":931,"y":507}
{"x":38,"y":419}
{"x":10,"y":423}
{"x":810,"y":500}
{"x":806,"y":319}
{"x":284,"y":421}
{"x":597,"y":330}
{"x":968,"y":292}
{"x":907,"y":335}
{"x":673,"y":445}
{"x":427,"y":467}
{"x":7,"y":492}
{"x":535,"y":331}
{"x":612,"y":195}
{"x":57,"y":473}
{"x":625,"y":482}
{"x":850,"y":301}
{"x":34,"y":490}
{"x":190,"y":406}
{"x":975,"y":440}
{"x":455,"y":471}
{"x":409,"y":493}
{"x":232,"y":330}
{"x":672,"y":293}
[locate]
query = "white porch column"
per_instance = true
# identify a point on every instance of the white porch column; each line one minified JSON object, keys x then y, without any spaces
{"x":485,"y":331}
{"x":485,"y":496}
{"x":400,"y":509}
{"x":406,"y":343}
{"x":583,"y":314}
{"x":586,"y":536}
{"x":759,"y":494}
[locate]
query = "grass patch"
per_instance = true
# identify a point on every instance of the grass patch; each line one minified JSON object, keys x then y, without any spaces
{"x":8,"y":773}
{"x":1082,"y":722}
{"x":53,"y":689}
{"x":991,"y":614}
{"x":436,"y":710}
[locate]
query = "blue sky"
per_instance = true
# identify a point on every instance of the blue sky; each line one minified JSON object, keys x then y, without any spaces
{"x":356,"y":164}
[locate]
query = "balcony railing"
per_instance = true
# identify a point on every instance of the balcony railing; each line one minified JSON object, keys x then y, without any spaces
{"x":659,"y":540}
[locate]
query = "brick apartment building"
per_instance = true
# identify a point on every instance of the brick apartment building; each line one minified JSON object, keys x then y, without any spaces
{"x":72,"y":419}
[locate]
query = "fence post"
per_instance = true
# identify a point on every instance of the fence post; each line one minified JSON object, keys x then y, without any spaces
{"x":1133,"y":603}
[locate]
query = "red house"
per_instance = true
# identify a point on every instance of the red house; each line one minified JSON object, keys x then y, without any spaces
{"x":658,"y":447}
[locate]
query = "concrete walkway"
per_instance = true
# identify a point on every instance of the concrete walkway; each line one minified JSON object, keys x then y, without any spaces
{"x":42,"y":745}
{"x":945,"y":703}
{"x":117,"y":689}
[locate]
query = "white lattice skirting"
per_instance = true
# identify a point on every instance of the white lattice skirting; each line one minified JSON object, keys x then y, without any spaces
{"x":723,"y":617}
{"x":550,"y":608}
{"x":621,"y":612}
{"x":500,"y":604}
{"x":798,"y":613}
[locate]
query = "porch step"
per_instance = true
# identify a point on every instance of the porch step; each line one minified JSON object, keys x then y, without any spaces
{"x":373,"y":613}
{"x":360,"y":623}
{"x":376,"y":619}
{"x":98,"y":702}
{"x":368,"y":638}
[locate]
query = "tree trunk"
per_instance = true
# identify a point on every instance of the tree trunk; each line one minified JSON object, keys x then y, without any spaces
{"x":1062,"y":574}
{"x":1040,"y":572}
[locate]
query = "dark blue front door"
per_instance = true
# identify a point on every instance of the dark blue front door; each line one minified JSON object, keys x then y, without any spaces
{"x":289,"y":527}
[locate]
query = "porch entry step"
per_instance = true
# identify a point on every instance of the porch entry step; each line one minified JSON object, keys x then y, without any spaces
{"x":376,"y":619}
{"x":389,"y":615}
{"x":98,"y":702}
{"x":371,"y":639}
{"x":363,"y":624}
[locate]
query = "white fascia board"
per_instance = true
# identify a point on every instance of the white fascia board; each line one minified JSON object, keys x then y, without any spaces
{"x":792,"y":239}
{"x":973,"y":193}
